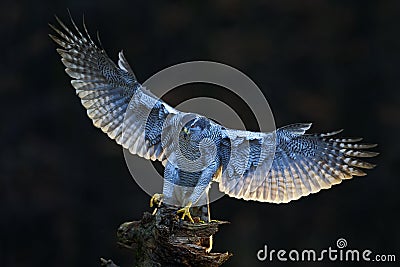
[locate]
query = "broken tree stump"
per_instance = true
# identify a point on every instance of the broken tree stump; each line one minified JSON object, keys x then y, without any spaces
{"x":164,"y":239}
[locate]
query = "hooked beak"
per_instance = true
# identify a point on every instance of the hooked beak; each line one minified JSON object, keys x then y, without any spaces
{"x":185,"y":131}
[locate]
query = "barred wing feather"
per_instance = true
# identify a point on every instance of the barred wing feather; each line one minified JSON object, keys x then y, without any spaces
{"x":302,"y":164}
{"x":115,"y":101}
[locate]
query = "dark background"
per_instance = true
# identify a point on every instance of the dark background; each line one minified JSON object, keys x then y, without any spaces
{"x":65,"y":188}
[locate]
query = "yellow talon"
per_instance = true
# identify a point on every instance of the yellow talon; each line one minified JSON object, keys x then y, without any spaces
{"x":156,"y":200}
{"x":186,"y":212}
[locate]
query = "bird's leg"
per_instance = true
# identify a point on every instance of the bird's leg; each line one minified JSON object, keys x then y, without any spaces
{"x":156,"y":200}
{"x":186,"y":212}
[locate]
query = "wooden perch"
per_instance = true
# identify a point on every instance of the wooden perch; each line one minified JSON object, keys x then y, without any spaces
{"x":164,"y":239}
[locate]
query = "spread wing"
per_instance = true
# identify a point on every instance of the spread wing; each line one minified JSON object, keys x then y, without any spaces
{"x":302,"y":163}
{"x":246,"y":158}
{"x":122,"y":108}
{"x":115,"y":101}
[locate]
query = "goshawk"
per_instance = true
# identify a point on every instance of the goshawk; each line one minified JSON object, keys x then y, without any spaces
{"x":275,"y":167}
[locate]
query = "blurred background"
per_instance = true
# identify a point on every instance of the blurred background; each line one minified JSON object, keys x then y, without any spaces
{"x":64,"y":185}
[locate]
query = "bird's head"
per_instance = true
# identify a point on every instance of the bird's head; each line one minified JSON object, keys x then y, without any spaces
{"x":197,"y":127}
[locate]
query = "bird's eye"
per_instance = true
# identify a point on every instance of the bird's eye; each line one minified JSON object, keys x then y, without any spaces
{"x":193,"y":128}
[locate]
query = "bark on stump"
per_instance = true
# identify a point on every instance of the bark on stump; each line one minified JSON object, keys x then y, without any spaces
{"x":164,"y":239}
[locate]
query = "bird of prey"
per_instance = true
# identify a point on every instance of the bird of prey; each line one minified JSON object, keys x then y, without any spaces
{"x":275,"y":167}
